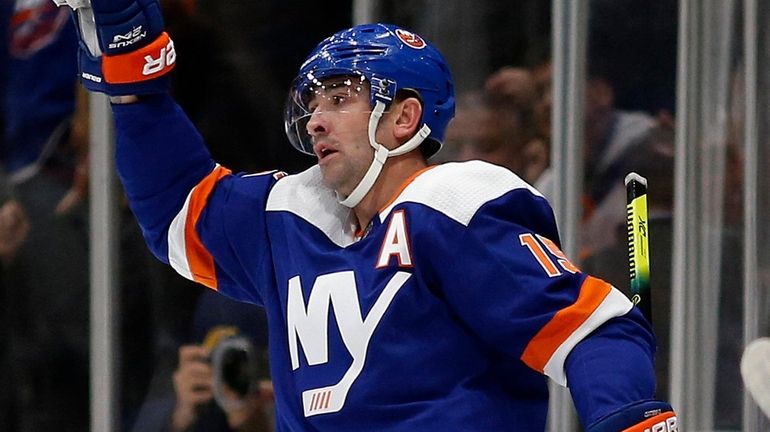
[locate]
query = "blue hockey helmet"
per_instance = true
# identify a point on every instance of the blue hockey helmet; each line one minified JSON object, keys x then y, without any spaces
{"x":391,"y":59}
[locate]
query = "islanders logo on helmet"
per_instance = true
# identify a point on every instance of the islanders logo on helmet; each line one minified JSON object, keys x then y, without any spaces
{"x":411,"y":39}
{"x":391,"y":59}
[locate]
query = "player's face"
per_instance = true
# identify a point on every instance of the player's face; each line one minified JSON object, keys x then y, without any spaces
{"x":338,"y":129}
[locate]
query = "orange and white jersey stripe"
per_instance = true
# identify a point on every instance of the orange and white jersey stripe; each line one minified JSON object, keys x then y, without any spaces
{"x":597,"y":303}
{"x":186,"y":252}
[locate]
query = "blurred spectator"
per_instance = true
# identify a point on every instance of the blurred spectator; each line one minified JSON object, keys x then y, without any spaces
{"x":496,"y":124}
{"x":612,"y":139}
{"x":516,"y":85}
{"x":531,"y":90}
{"x":507,"y":123}
{"x":235,"y":397}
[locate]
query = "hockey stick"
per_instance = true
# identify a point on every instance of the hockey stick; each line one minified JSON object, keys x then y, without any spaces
{"x":755,"y":369}
{"x":638,"y":242}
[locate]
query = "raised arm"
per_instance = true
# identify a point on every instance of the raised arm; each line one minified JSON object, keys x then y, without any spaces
{"x":195,"y":215}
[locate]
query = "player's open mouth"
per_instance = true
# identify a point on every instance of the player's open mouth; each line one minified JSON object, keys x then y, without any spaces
{"x":323,"y":151}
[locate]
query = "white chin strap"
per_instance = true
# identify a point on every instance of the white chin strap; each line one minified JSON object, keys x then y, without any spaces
{"x":381,"y":154}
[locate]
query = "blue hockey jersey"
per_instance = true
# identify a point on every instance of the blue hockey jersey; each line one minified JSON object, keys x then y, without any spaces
{"x":445,"y":314}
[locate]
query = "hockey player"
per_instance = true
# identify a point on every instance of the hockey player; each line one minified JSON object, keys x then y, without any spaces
{"x":399,"y":296}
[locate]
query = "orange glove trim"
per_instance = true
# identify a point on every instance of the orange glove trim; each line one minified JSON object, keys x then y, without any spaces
{"x":146,"y":63}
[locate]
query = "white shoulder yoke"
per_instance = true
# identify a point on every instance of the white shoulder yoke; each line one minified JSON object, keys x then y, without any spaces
{"x":459,"y":189}
{"x":305,"y":196}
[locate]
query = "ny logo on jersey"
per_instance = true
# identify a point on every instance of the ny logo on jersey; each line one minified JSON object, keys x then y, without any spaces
{"x":310,"y":326}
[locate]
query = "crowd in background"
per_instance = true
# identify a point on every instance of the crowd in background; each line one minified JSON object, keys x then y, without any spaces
{"x":236,"y":60}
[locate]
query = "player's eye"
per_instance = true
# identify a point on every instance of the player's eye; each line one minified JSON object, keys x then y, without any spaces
{"x":338,"y":99}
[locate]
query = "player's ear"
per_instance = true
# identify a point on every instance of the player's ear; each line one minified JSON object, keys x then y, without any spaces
{"x":406,"y":118}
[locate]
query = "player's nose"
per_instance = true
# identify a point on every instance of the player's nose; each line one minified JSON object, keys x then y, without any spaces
{"x":317,"y":125}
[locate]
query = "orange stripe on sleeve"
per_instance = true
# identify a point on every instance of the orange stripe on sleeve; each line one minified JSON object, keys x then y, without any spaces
{"x":542,"y":347}
{"x":200,"y":260}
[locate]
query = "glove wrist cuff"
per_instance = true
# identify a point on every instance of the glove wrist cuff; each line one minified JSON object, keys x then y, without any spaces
{"x":643,"y":416}
{"x":149,"y":62}
{"x":664,"y":422}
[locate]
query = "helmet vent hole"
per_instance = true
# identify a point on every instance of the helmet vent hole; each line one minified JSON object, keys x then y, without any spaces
{"x":357,"y":51}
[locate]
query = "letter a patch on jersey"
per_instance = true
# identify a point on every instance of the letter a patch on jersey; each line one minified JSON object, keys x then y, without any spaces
{"x":396,"y":242}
